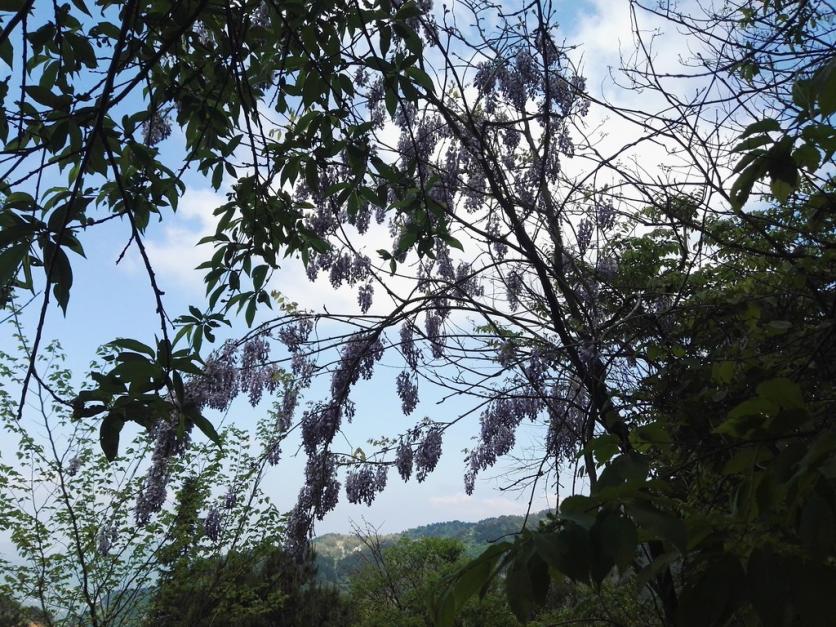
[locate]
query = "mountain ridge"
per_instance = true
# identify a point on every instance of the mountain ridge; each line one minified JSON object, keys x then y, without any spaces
{"x":340,"y":555}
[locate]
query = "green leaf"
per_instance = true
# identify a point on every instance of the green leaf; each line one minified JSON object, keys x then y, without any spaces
{"x":385,"y":34}
{"x":780,"y":189}
{"x":649,"y":435}
{"x":45,"y":96}
{"x":767,"y":586}
{"x":538,"y":574}
{"x":249,"y":314}
{"x":311,"y":89}
{"x":811,"y":584}
{"x":614,"y":539}
{"x":473,"y":577}
{"x":747,"y":417}
{"x":742,"y":187}
{"x":761,"y":126}
{"x":12,"y":6}
{"x":579,"y":509}
{"x":10,"y":260}
{"x":109,"y":432}
{"x":603,"y":447}
{"x":518,"y":585}
{"x":258,"y":275}
{"x":783,"y":392}
{"x":722,"y":372}
{"x":817,"y":526}
{"x":658,"y":524}
{"x":61,"y":274}
{"x":824,"y":85}
{"x":132,"y":345}
{"x":807,"y":156}
{"x":7,"y":56}
{"x":803,"y":95}
{"x":205,"y":427}
{"x":629,"y":469}
{"x":568,"y":551}
{"x":713,"y":596}
{"x":422,"y":78}
{"x":752,"y":142}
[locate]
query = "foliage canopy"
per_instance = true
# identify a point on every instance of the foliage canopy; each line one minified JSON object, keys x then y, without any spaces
{"x":669,"y":329}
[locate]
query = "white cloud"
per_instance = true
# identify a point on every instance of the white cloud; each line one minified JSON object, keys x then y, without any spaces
{"x":460,"y":505}
{"x":174,"y":252}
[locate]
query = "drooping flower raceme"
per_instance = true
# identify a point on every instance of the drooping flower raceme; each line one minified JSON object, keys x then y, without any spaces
{"x":428,"y":453}
{"x":407,"y":392}
{"x":212,"y":524}
{"x":106,"y":537}
{"x":168,"y":442}
{"x":403,"y":460}
{"x":364,"y":483}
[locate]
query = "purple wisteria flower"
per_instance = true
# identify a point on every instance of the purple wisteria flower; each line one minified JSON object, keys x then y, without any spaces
{"x":501,"y":418}
{"x":506,"y":354}
{"x":255,"y":374}
{"x":167,"y":443}
{"x":303,"y":369}
{"x":584,"y":237}
{"x":156,"y":128}
{"x":319,"y":425}
{"x":340,"y":270}
{"x":106,"y":538}
{"x":444,"y":264}
{"x":485,"y":79}
{"x":467,"y":283}
{"x":219,"y":383}
{"x":513,"y":287}
{"x":605,"y":215}
{"x":434,"y":333}
{"x":364,"y":297}
{"x":500,"y":247}
{"x":407,"y":392}
{"x":320,"y":493}
{"x":73,"y":466}
{"x":212,"y":524}
{"x":410,"y":351}
{"x":428,"y":454}
{"x":274,"y":452}
{"x":403,"y":460}
{"x":361,"y":219}
{"x":607,"y":267}
{"x":287,"y":408}
{"x":357,"y":359}
{"x":363,"y":484}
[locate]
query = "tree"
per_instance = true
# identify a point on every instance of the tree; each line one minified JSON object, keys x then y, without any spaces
{"x":14,"y":614}
{"x":258,"y":586}
{"x":79,"y":555}
{"x":600,"y":302}
{"x":398,"y":582}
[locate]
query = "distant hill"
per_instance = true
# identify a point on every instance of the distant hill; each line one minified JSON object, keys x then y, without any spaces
{"x":339,"y":555}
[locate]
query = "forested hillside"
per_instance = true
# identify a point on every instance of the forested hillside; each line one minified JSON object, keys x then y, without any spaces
{"x":269,"y":265}
{"x":339,"y":556}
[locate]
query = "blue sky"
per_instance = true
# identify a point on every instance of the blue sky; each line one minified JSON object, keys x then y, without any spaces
{"x":110,"y":301}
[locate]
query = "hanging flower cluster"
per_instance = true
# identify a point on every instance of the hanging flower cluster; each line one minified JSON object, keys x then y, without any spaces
{"x":230,"y":371}
{"x":106,"y":538}
{"x":495,"y":171}
{"x":427,"y":454}
{"x":169,"y":440}
{"x":363,"y":484}
{"x":320,"y":424}
{"x":212,"y":524}
{"x":532,"y":396}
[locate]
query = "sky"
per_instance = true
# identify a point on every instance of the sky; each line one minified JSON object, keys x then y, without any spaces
{"x":110,"y":300}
